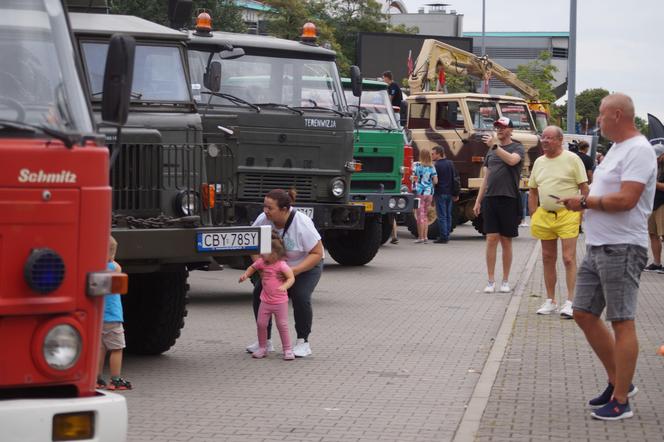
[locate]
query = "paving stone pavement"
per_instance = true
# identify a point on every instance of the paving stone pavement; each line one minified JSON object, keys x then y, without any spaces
{"x":549,"y":371}
{"x":398,"y":346}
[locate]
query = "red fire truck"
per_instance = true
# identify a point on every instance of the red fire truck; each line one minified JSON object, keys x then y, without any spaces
{"x":55,"y":206}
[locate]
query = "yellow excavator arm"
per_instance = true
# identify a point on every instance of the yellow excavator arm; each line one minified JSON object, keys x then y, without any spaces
{"x":436,"y":54}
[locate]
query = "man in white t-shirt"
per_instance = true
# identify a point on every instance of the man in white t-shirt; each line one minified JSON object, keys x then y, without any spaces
{"x":617,"y":210}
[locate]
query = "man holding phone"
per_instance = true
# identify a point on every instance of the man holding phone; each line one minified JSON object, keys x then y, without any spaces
{"x":555,"y":175}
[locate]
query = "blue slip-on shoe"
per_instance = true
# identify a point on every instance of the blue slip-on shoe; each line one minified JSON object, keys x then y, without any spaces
{"x":613,"y":411}
{"x":607,"y":394}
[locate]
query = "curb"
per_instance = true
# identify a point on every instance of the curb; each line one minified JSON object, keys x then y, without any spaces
{"x":470,"y":422}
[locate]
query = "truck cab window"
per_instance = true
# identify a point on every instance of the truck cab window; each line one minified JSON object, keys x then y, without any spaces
{"x":159,"y":73}
{"x":419,"y":116}
{"x":443,"y":115}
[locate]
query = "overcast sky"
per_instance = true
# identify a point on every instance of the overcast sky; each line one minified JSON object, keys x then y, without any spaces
{"x":620,"y":44}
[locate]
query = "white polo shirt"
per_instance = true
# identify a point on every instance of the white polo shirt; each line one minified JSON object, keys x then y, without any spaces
{"x":300,"y":237}
{"x":630,"y":160}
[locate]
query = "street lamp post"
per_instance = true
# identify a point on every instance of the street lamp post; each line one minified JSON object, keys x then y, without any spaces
{"x":571,"y":70}
{"x":483,"y":27}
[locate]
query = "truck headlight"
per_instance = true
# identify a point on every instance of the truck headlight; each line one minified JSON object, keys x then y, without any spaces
{"x":337,"y":187}
{"x":185,"y":203}
{"x":62,"y":347}
{"x":392,"y":203}
{"x":401,"y":203}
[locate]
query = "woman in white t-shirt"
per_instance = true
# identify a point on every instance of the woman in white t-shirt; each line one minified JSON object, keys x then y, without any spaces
{"x":304,"y":255}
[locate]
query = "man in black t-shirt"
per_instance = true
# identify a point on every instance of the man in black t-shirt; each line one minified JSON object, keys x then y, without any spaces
{"x":500,"y":192}
{"x":393,"y":89}
{"x":585,"y":158}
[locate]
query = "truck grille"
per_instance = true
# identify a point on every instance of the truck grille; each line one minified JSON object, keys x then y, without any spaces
{"x":143,"y":171}
{"x":256,"y":186}
{"x":374,"y":185}
{"x":376,"y":164}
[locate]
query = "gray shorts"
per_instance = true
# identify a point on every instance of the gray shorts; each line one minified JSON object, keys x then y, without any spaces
{"x":112,"y":336}
{"x":609,"y":277}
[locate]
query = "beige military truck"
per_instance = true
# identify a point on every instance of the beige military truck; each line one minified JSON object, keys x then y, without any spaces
{"x":458,"y":121}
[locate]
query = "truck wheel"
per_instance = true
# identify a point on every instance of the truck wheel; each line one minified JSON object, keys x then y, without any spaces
{"x":478,"y":223}
{"x":154,"y":311}
{"x":432,"y":219}
{"x":386,"y":229}
{"x":355,"y":247}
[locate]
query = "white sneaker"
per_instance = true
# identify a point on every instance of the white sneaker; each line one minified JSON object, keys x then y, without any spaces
{"x":547,"y":308}
{"x":490,"y":287}
{"x":523,"y":225}
{"x":505,"y":287}
{"x":253,"y":347}
{"x":302,"y":349}
{"x":566,"y":311}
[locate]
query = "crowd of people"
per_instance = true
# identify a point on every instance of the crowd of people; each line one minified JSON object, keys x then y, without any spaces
{"x":623,"y":214}
{"x":621,"y":197}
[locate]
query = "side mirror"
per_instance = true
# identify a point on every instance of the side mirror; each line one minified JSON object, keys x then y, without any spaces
{"x":452,"y":111}
{"x":231,"y":54}
{"x":118,"y":78}
{"x":356,"y":81}
{"x":212,"y":77}
{"x":179,"y":13}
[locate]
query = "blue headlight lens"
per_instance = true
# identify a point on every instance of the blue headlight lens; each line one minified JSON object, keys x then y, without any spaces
{"x":44,"y":270}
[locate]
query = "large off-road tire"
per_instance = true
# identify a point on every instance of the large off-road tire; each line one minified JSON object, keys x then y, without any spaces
{"x":386,"y":229}
{"x":478,"y":223}
{"x":355,"y":247}
{"x":154,"y":311}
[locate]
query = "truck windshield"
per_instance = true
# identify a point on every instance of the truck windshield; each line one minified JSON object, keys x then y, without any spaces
{"x":482,"y":114}
{"x":375,"y":105}
{"x":159,"y":73}
{"x":39,"y":83}
{"x":518,"y":113}
{"x":258,"y":79}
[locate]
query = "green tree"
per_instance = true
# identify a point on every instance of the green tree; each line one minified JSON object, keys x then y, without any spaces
{"x":587,"y":106}
{"x":641,"y":125}
{"x":539,"y":74}
{"x":459,"y":83}
{"x":225,"y":14}
{"x":338,"y":22}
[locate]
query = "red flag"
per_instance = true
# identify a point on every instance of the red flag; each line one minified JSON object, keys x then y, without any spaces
{"x":441,"y":78}
{"x":410,"y":63}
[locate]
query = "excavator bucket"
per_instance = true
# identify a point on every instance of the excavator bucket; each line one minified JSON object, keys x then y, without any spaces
{"x":655,"y":129}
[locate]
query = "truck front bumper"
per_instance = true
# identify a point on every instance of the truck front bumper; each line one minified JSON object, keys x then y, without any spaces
{"x":181,"y":245}
{"x":385,"y":202}
{"x":25,"y":420}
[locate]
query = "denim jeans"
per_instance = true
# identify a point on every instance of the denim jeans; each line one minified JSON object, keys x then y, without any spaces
{"x":444,"y":212}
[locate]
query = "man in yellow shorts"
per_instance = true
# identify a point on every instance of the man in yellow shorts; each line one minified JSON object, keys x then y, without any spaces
{"x":556,"y":174}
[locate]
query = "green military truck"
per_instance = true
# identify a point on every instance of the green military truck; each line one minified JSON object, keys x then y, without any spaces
{"x":164,"y":203}
{"x":276,"y":112}
{"x":379,"y":147}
